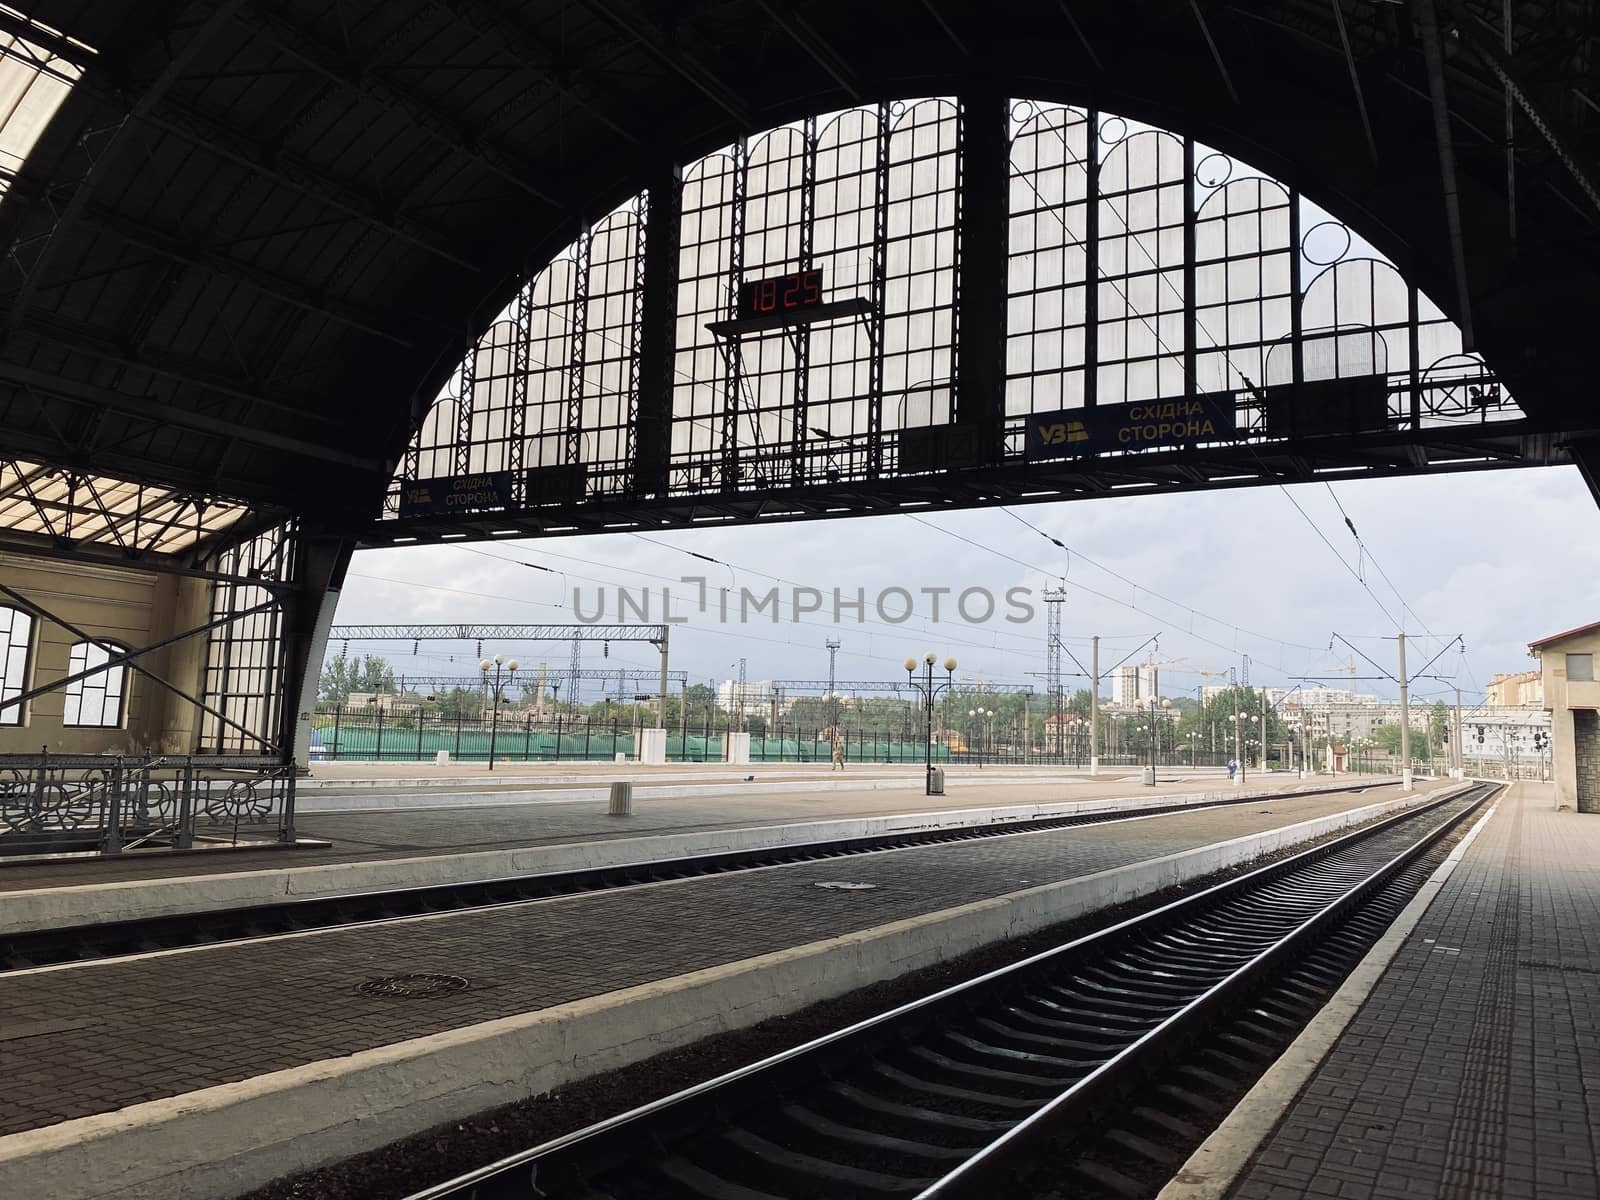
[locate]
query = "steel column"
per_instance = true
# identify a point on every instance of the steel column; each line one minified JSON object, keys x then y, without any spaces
{"x":985,"y":214}
{"x":662,"y":237}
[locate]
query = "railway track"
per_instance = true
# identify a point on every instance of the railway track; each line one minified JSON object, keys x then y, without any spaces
{"x":968,"y":1091}
{"x":112,"y":939}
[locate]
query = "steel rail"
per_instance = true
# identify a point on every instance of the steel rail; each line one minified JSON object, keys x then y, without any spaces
{"x":113,"y":939}
{"x":984,"y":1049}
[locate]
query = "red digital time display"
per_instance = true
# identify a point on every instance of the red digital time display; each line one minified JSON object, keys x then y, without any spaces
{"x":781,"y":294}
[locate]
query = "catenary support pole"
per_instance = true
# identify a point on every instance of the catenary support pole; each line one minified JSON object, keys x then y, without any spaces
{"x":1263,"y":731}
{"x":1405,"y":721}
{"x":1458,"y":751}
{"x":1094,"y":707}
{"x":1238,"y":740}
{"x":661,"y":696}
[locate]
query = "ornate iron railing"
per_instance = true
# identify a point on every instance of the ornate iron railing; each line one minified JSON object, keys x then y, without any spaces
{"x":60,"y":803}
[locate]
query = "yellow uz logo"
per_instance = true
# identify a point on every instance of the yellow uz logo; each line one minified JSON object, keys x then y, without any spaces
{"x":1062,"y":433}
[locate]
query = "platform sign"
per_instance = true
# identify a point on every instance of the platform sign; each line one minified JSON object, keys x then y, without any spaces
{"x":455,"y":493}
{"x":1136,"y":426}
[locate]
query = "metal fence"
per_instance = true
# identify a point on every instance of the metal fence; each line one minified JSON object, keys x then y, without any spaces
{"x":59,"y":803}
{"x":369,"y":734}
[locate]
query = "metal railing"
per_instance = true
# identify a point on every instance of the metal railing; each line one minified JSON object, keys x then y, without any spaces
{"x":366,"y":733}
{"x":62,"y":803}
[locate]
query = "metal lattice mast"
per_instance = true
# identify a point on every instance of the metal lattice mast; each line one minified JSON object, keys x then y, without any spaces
{"x":1053,"y":600}
{"x":833,"y":691}
{"x":740,"y":701}
{"x":575,"y":670}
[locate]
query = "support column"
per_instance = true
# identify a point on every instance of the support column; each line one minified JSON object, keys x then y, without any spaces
{"x":981,"y":283}
{"x":306,"y":623}
{"x":659,"y":304}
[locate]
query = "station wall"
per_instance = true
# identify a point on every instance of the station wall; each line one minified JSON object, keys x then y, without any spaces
{"x":1572,"y":694}
{"x":130,"y":608}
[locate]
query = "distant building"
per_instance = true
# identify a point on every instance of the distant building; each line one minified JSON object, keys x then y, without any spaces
{"x":1511,"y":691}
{"x":755,"y":695}
{"x":1135,"y":681}
{"x":385,"y":702}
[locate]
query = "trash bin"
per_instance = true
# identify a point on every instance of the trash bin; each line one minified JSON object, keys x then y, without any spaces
{"x":1149,"y":777}
{"x":936,"y":781}
{"x":621,"y":799}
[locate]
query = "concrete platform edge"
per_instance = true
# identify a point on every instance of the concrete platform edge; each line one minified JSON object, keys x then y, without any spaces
{"x":1210,"y":1172}
{"x":81,"y":904}
{"x":226,"y":1140}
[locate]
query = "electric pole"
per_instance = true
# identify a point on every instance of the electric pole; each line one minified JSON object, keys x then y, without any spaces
{"x":1459,"y":750}
{"x":1263,"y":731}
{"x":1094,"y":708}
{"x":1405,"y":721}
{"x":575,"y":670}
{"x":1053,"y":600}
{"x":1238,"y":739}
{"x":833,"y":697}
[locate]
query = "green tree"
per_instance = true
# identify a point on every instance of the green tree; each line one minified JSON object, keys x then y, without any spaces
{"x":1198,"y":725}
{"x":1387,"y":738}
{"x":341,"y":676}
{"x":463,"y":703}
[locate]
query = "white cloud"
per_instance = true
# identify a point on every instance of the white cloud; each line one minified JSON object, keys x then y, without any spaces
{"x":1499,"y":557}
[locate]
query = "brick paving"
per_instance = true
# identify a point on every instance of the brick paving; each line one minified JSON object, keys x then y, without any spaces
{"x":1473,"y":1068}
{"x":400,"y":833}
{"x":163,"y":1025}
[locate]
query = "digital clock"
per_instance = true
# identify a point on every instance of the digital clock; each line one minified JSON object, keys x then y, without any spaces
{"x":781,"y":294}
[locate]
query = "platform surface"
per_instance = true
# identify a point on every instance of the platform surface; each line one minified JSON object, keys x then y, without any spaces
{"x":94,"y":1037}
{"x":1473,"y":1067}
{"x":726,"y":802}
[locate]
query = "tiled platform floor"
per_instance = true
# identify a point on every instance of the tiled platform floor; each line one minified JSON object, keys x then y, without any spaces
{"x":400,"y":833}
{"x":1473,"y":1068}
{"x":107,"y":1035}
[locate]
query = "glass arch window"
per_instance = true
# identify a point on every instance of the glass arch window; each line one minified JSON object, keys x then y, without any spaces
{"x":1140,"y":265}
{"x":96,"y":701}
{"x":16,"y":635}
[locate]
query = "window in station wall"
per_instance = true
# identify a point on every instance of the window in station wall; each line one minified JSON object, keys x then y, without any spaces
{"x":96,"y":700}
{"x":16,"y":634}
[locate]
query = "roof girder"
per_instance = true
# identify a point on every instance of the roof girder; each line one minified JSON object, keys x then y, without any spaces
{"x":366,"y":80}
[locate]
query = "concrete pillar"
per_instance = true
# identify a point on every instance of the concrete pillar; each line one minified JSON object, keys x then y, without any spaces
{"x":1563,"y":759}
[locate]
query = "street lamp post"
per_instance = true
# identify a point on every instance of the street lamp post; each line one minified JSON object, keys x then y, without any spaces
{"x":504,"y":672}
{"x":929,"y":691}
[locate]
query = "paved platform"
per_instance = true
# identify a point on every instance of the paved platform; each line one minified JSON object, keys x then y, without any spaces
{"x":1473,"y":1067}
{"x":89,"y":1038}
{"x":370,"y":836}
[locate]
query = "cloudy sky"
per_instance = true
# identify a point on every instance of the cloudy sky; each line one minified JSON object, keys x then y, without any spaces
{"x":1497,"y":557}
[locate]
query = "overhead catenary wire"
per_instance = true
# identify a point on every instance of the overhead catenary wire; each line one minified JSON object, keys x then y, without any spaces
{"x":1279,"y":667}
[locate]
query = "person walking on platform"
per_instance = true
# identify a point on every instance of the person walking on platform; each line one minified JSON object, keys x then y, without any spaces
{"x":838,"y":753}
{"x":1233,"y":767}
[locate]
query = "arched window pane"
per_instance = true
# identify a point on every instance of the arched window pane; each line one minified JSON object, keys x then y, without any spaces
{"x":95,"y":701}
{"x":16,"y":629}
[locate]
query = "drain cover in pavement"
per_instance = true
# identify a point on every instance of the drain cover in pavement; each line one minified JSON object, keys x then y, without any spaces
{"x":412,"y":985}
{"x":847,"y":887}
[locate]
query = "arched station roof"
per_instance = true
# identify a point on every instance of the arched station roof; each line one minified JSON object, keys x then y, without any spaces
{"x":254,"y":237}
